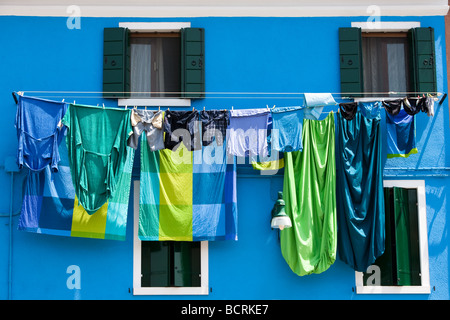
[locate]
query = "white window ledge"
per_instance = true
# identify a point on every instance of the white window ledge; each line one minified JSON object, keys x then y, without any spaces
{"x":155,"y":26}
{"x":386,"y":26}
{"x":154,"y":102}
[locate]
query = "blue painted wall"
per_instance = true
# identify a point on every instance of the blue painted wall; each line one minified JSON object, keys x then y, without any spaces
{"x":242,"y":55}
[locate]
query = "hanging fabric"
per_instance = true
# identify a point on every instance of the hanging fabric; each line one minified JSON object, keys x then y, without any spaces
{"x":247,"y":132}
{"x":270,"y":164}
{"x":187,"y":195}
{"x":348,"y":109}
{"x":393,"y":106}
{"x":429,"y":103}
{"x":287,"y":123}
{"x":315,"y":102}
{"x":182,"y":126}
{"x":309,"y":191}
{"x":152,"y":123}
{"x":50,"y":205}
{"x":370,"y":110}
{"x":401,"y":135}
{"x":214,"y":126}
{"x":97,"y":147}
{"x":359,"y":191}
{"x":39,"y":132}
{"x":411,"y":106}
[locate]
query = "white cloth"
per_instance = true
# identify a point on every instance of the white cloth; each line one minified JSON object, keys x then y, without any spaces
{"x":247,"y":132}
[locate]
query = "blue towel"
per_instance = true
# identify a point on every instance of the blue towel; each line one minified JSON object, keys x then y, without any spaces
{"x":401,"y":135}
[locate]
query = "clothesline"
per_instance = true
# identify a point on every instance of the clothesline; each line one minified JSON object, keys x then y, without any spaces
{"x":236,"y":92}
{"x":264,"y":95}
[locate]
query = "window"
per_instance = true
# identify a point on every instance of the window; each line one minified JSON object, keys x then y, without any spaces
{"x":403,"y":267}
{"x":170,"y":264}
{"x":385,"y":62}
{"x":154,"y":64}
{"x":396,"y":56}
{"x":168,"y":267}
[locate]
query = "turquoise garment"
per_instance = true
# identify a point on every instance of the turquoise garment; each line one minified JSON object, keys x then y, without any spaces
{"x":370,"y":110}
{"x":359,"y":191}
{"x":97,"y":146}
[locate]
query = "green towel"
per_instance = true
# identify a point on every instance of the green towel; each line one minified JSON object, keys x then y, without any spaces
{"x":309,"y":191}
{"x":97,"y":146}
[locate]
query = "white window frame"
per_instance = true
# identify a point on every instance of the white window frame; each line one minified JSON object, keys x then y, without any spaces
{"x":138,"y":289}
{"x":155,"y":27}
{"x":424,"y":288}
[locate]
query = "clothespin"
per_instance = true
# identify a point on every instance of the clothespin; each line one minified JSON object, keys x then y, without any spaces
{"x":203,"y":108}
{"x":103,"y":106}
{"x":126,"y":107}
{"x":146,"y":108}
{"x":232,"y":107}
{"x":62,"y":100}
{"x":159,"y":108}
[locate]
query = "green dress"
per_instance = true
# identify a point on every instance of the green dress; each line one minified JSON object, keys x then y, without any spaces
{"x":309,"y":191}
{"x":97,"y":146}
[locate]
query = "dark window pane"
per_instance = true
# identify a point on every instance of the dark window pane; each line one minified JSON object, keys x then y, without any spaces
{"x":385,"y":64}
{"x":400,"y":263}
{"x":155,"y":66}
{"x":170,"y":263}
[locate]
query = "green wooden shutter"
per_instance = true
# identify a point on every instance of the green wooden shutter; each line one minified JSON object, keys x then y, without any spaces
{"x":116,"y":63}
{"x":387,"y":261}
{"x":351,"y":63}
{"x":422,"y":60}
{"x":406,"y":234}
{"x":193,"y":62}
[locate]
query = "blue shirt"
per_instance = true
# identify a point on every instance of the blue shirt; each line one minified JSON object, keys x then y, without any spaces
{"x":39,"y":132}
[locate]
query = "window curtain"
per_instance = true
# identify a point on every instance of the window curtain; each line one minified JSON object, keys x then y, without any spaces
{"x":359,"y":191}
{"x":309,"y":246}
{"x":141,"y":67}
{"x":385,"y":64}
{"x":147,"y":66}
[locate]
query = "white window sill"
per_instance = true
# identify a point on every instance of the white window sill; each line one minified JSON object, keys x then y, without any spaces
{"x":154,"y":102}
